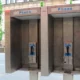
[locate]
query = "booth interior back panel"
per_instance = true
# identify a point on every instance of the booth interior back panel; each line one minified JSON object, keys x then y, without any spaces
{"x":58,"y":43}
{"x":16,"y":46}
{"x":30,"y":34}
{"x":76,"y":43}
{"x":25,"y":42}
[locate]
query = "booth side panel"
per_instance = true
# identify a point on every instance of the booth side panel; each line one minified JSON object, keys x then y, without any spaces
{"x":7,"y":42}
{"x":77,"y":43}
{"x":39,"y":43}
{"x":50,"y":38}
{"x":12,"y":43}
{"x":16,"y":44}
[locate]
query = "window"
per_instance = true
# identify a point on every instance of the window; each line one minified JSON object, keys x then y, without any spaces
{"x":12,"y":1}
{"x":3,"y":1}
{"x":7,"y":1}
{"x":19,"y":0}
{"x":73,"y":1}
{"x":26,"y":0}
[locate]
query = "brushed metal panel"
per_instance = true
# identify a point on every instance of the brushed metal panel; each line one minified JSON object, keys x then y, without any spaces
{"x":30,"y":34}
{"x":7,"y":42}
{"x":68,"y":29}
{"x":58,"y":43}
{"x":39,"y":43}
{"x":68,"y":40}
{"x":44,"y":43}
{"x":13,"y":46}
{"x":16,"y":45}
{"x":50,"y":41}
{"x":33,"y":31}
{"x":28,"y":17}
{"x":54,"y":9}
{"x":25,"y":42}
{"x":66,"y":15}
{"x":33,"y":38}
{"x":76,"y":43}
{"x":25,"y":12}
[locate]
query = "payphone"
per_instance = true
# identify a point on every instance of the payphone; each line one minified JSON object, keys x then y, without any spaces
{"x":62,"y":43}
{"x":22,"y":39}
{"x":44,"y":39}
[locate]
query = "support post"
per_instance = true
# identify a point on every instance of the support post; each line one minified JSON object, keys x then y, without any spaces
{"x":67,"y":76}
{"x":44,"y":43}
{"x":33,"y":75}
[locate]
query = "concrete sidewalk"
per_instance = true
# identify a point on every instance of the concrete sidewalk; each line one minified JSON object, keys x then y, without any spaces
{"x":24,"y":75}
{"x":2,"y":63}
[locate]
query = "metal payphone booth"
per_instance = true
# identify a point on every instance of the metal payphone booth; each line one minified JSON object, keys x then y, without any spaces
{"x":22,"y":28}
{"x":63,"y":29}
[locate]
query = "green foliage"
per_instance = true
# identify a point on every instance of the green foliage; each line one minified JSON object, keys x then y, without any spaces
{"x":1,"y":8}
{"x":1,"y":34}
{"x":70,"y":1}
{"x":0,"y":18}
{"x":1,"y":11}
